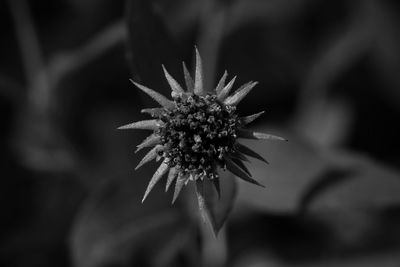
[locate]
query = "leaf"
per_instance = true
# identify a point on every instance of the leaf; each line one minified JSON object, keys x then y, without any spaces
{"x":142,"y":125}
{"x":221,"y":83}
{"x":156,"y":177}
{"x":225,"y":91}
{"x":162,"y":100}
{"x":198,"y":78}
{"x":236,"y":170}
{"x":113,"y":227}
{"x":294,"y":167}
{"x":150,"y":141}
{"x":152,"y":154}
{"x":247,"y":151}
{"x":241,"y":165}
{"x":364,"y":183}
{"x":213,"y":207}
{"x":188,"y":79}
{"x":240,"y":94}
{"x":180,"y":182}
{"x":248,"y":119}
{"x":297,"y":167}
{"x":329,"y":178}
{"x":259,"y":136}
{"x":171,"y":177}
{"x":153,"y":111}
{"x":175,"y":86}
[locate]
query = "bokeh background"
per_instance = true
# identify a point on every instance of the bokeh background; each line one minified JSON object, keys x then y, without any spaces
{"x":329,"y":79}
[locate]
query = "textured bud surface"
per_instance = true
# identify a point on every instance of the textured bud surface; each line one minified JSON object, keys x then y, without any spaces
{"x":197,"y":131}
{"x":197,"y":134}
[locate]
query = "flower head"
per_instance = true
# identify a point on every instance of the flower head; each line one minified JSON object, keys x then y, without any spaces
{"x":197,"y":131}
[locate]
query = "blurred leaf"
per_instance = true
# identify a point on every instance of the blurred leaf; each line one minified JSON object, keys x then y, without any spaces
{"x":325,"y":122}
{"x":149,"y":46}
{"x":293,"y":167}
{"x":299,"y":172}
{"x":260,"y":258}
{"x":113,"y":224}
{"x":211,"y":206}
{"x":329,"y":178}
{"x":372,"y":185}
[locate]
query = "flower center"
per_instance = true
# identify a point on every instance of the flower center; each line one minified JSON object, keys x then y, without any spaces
{"x":197,"y":134}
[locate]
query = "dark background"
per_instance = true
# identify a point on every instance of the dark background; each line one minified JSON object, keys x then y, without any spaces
{"x":329,"y":80}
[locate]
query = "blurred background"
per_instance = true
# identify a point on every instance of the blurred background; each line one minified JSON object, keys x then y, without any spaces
{"x":329,"y":80}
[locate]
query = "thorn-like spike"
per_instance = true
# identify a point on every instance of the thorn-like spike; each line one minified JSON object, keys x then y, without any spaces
{"x":241,"y":165}
{"x":154,"y":112}
{"x":225,"y":91}
{"x":152,"y":154}
{"x":201,"y":200}
{"x":198,"y":78}
{"x":258,"y":136}
{"x":162,"y":100}
{"x":156,"y":177}
{"x":248,"y":119}
{"x":238,"y":155}
{"x":175,"y":86}
{"x":249,"y":152}
{"x":142,"y":125}
{"x":180,"y":182}
{"x":236,"y":170}
{"x":173,"y":173}
{"x":221,"y":83}
{"x":239,"y":94}
{"x":151,"y":140}
{"x":188,"y":79}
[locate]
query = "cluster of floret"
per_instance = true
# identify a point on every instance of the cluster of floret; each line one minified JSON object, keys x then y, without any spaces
{"x":197,"y":134}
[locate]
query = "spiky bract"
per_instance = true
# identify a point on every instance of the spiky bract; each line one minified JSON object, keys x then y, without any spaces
{"x":197,"y":131}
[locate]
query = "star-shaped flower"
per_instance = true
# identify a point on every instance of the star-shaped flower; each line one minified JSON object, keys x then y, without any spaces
{"x":197,"y":131}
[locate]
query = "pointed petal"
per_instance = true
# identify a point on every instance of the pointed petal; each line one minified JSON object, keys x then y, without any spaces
{"x":142,"y":125}
{"x":154,"y":112}
{"x":180,"y":182}
{"x":238,"y":155}
{"x":152,"y":154}
{"x":162,"y":100}
{"x":256,"y":135}
{"x":241,"y":165}
{"x":156,"y":177}
{"x":175,"y":86}
{"x":240,"y":94}
{"x":201,"y":200}
{"x":249,"y":152}
{"x":236,"y":170}
{"x":225,"y":91}
{"x":221,"y":83}
{"x":173,"y":173}
{"x":217,"y":187}
{"x":198,"y":78}
{"x":151,"y":140}
{"x":248,"y":119}
{"x":188,"y":79}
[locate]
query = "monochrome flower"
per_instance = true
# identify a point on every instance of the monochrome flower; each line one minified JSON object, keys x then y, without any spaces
{"x":197,"y":132}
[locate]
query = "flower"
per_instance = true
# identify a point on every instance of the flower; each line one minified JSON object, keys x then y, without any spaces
{"x":197,"y":131}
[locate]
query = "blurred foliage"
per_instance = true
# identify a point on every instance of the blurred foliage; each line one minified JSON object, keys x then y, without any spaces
{"x":328,"y":73}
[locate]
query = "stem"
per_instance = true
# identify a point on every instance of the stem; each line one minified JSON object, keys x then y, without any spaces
{"x":212,"y":24}
{"x":66,"y":62}
{"x":35,"y":71}
{"x":214,"y":249}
